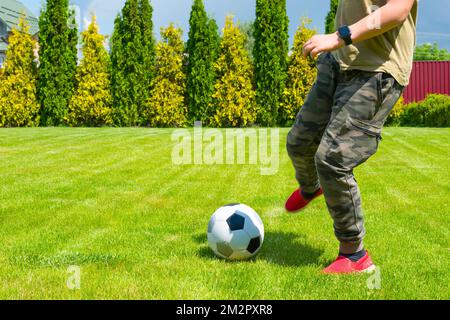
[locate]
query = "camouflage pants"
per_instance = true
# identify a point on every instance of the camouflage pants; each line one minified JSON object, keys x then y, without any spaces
{"x":339,"y":128}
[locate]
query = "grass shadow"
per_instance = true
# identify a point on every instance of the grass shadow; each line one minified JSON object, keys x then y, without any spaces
{"x":281,"y":248}
{"x":204,"y":251}
{"x":289,"y":249}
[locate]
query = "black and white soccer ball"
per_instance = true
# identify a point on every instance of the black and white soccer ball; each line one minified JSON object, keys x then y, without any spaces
{"x":235,"y":232}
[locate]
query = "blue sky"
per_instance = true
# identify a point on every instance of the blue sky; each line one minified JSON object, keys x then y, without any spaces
{"x":434,"y":24}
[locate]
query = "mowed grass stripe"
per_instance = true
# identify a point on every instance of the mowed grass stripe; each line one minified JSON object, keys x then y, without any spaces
{"x":112,"y":202}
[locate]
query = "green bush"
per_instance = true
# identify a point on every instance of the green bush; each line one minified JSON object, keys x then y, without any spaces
{"x":301,"y":76}
{"x":58,"y":38}
{"x":166,"y":106}
{"x":133,"y":62}
{"x":201,"y":49}
{"x":434,"y":111}
{"x":91,"y":104}
{"x":234,"y":97}
{"x":270,"y":57}
{"x":19,"y":106}
{"x":330,"y":21}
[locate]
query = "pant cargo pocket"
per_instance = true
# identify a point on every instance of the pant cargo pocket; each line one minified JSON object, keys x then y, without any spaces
{"x":368,"y":127}
{"x":354,"y":143}
{"x":367,"y":136}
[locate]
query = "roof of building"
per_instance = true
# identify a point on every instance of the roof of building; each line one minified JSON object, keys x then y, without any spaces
{"x":10,"y":12}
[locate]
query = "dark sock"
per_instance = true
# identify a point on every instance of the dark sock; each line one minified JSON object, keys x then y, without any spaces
{"x":309,"y":196}
{"x":354,"y":256}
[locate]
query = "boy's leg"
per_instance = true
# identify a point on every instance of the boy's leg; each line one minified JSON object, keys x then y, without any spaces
{"x":306,"y":134}
{"x":362,"y":104}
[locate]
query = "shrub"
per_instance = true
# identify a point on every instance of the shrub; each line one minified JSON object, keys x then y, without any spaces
{"x":270,"y":54}
{"x":148,"y":48}
{"x":58,"y":38}
{"x":166,"y":106}
{"x":301,"y":76}
{"x":91,"y":104}
{"x":439,"y":116}
{"x":201,"y":50}
{"x":434,"y":111}
{"x":234,"y":96}
{"x":414,"y":116}
{"x":330,"y":21}
{"x":18,"y":92}
{"x":394,"y":117}
{"x":132,"y":58}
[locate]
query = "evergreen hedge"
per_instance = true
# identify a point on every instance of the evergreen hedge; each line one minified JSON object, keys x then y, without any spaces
{"x":58,"y":60}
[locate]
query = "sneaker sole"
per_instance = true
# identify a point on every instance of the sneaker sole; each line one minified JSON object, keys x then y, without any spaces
{"x":369,"y":269}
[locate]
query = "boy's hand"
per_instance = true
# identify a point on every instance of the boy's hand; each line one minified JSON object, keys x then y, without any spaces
{"x":322,"y":43}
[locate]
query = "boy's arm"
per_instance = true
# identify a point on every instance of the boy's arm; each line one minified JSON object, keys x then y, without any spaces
{"x":389,"y":16}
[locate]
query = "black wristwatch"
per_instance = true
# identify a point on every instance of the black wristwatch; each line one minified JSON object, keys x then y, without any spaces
{"x":345,"y":34}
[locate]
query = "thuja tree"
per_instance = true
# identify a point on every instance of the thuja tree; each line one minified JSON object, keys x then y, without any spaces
{"x":270,"y":57}
{"x":234,"y":97}
{"x":166,"y":106}
{"x":18,"y":93}
{"x":58,"y":60}
{"x":202,"y":49}
{"x":132,"y":58}
{"x":301,"y":75}
{"x":148,"y":48}
{"x":331,"y":17}
{"x":92,"y":101}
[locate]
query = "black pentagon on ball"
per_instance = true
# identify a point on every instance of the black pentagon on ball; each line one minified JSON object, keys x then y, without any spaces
{"x":254,"y":245}
{"x":236,"y":221}
{"x":224,"y":249}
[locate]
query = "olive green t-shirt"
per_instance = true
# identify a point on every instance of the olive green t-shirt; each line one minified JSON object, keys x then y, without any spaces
{"x":391,"y":52}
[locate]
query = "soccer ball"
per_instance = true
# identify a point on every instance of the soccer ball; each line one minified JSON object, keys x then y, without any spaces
{"x":235,"y":232}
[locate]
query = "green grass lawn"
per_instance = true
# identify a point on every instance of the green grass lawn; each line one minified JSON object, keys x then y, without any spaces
{"x":112,"y":202}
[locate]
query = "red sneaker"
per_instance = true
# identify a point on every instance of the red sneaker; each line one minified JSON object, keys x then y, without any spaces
{"x":297,"y":201}
{"x":343,"y":265}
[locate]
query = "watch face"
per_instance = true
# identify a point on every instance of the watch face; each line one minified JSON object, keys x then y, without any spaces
{"x":344,"y":32}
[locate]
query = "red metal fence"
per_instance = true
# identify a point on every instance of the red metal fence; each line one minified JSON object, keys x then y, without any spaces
{"x":428,"y":77}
